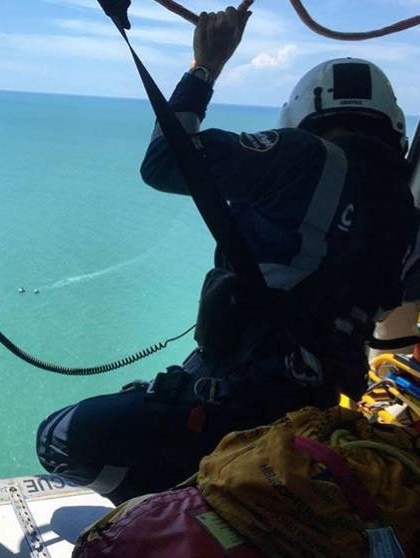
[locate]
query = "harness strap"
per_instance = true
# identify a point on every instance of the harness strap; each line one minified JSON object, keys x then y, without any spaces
{"x":392,"y":344}
{"x":211,"y":205}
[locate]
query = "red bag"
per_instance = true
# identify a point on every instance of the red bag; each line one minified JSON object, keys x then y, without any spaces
{"x":174,"y":524}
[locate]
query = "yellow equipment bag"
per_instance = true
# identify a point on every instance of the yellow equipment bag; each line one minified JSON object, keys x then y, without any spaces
{"x":319,"y":484}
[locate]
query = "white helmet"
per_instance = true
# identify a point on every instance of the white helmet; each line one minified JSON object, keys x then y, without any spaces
{"x":343,"y":85}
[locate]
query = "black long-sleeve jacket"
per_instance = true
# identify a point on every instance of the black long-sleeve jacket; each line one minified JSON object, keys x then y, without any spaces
{"x":302,"y":202}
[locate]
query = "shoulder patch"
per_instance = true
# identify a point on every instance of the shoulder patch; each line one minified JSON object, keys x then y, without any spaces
{"x":260,"y":141}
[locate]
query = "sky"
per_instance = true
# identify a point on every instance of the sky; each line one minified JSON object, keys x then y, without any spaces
{"x":72,"y":47}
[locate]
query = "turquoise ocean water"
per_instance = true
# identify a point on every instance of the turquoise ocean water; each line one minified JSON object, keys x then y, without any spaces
{"x":118,"y":266}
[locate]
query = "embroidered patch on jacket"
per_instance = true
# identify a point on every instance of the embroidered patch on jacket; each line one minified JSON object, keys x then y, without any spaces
{"x":260,"y":141}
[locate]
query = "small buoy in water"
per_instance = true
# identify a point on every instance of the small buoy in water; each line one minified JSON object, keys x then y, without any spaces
{"x":36,"y":291}
{"x":21,"y":290}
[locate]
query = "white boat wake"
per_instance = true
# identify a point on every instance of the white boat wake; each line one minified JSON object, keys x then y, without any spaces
{"x":89,"y":276}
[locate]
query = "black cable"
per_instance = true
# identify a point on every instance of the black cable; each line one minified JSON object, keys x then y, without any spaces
{"x":89,"y":371}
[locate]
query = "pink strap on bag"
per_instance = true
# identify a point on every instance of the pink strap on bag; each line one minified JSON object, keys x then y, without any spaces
{"x":351,"y":486}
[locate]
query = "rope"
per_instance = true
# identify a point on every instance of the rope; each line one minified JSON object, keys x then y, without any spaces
{"x":177,"y":9}
{"x":357,"y":36}
{"x":304,"y":15}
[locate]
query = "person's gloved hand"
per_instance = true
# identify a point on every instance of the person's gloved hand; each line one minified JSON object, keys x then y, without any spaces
{"x":217,"y":35}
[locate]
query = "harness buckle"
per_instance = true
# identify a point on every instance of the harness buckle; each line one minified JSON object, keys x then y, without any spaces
{"x":304,"y":367}
{"x":136,"y":384}
{"x":217,"y":389}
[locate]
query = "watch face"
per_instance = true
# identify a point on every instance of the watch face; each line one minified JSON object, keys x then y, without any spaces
{"x":202,"y":73}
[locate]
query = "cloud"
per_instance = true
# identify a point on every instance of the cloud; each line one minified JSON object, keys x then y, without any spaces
{"x":281,"y":58}
{"x":151,"y":12}
{"x":377,"y":51}
{"x":406,"y":3}
{"x":85,"y":26}
{"x":383,"y":51}
{"x":143,"y":35}
{"x":90,"y":4}
{"x":268,"y":24}
{"x":275,"y":51}
{"x":263,"y":22}
{"x":262,"y":68}
{"x":274,"y":71}
{"x":33,"y":46}
{"x":61,"y":45}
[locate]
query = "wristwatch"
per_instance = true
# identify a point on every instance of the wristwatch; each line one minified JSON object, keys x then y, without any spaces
{"x":202,"y":73}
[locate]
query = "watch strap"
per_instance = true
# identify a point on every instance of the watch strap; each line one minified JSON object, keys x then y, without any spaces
{"x":203,"y":73}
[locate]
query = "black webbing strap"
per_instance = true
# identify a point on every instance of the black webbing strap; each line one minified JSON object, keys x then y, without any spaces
{"x":395,"y":343}
{"x":211,"y":205}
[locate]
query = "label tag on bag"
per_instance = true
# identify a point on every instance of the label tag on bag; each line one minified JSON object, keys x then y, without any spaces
{"x":383,"y":543}
{"x":221,"y":530}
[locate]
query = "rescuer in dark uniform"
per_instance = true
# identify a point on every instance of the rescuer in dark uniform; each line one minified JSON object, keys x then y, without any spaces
{"x":324,"y":196}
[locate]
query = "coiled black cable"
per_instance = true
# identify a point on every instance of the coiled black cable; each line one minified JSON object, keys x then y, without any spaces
{"x":67,"y":371}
